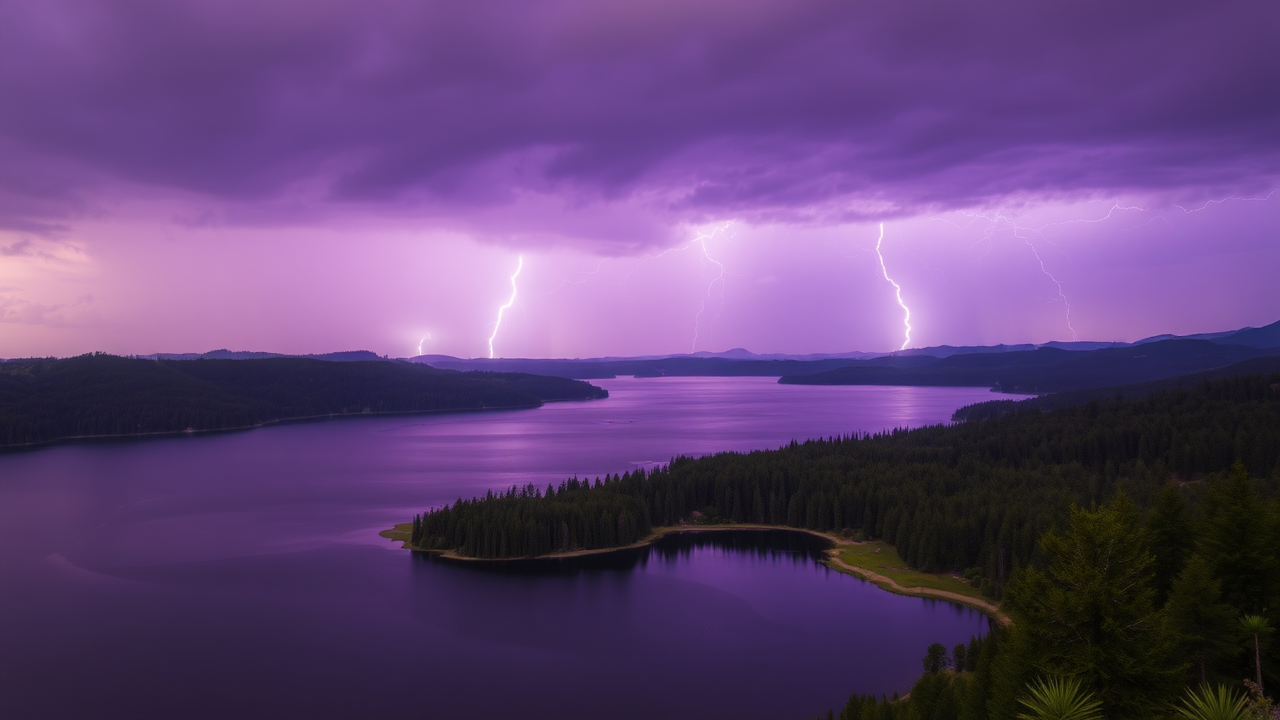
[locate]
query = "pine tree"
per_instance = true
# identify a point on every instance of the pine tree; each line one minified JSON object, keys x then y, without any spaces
{"x":935,"y":659}
{"x":1172,"y":538}
{"x":1236,"y":542}
{"x":960,"y":656}
{"x":1090,"y":614}
{"x":1205,"y":626}
{"x":974,"y":704}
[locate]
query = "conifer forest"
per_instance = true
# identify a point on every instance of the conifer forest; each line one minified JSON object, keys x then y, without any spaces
{"x":1134,"y":543}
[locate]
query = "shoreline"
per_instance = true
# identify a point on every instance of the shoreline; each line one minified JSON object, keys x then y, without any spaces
{"x":401,"y":531}
{"x":71,"y":439}
{"x":986,"y":607}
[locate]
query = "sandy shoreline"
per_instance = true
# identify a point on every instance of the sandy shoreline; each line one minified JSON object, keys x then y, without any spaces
{"x":985,"y":607}
{"x":402,"y":531}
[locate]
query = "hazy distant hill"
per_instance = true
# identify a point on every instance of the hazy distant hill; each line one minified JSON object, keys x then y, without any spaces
{"x":678,"y":366}
{"x":993,"y":408}
{"x":1051,"y":367}
{"x":104,"y":395}
{"x":1263,"y":337}
{"x":1043,"y":370}
{"x":1047,"y":367}
{"x":739,"y":362}
{"x":1267,"y":336}
{"x":224,"y":354}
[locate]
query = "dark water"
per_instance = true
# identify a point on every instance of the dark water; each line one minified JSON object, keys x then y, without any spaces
{"x":241,"y":575}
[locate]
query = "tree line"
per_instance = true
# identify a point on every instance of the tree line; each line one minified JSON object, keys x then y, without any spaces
{"x":524,"y":522}
{"x":43,"y":400}
{"x":974,"y":497}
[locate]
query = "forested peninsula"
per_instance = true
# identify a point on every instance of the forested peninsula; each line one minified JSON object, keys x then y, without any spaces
{"x":975,"y":496}
{"x":1135,"y":543}
{"x":100,"y":395}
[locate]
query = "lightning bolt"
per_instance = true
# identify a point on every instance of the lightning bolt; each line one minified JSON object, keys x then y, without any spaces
{"x":1061,"y":295}
{"x":1018,"y":232}
{"x":497,"y":323}
{"x":897,"y":289}
{"x":1025,"y":233}
{"x":702,"y":240}
{"x":583,"y":281}
{"x":1111,"y":211}
{"x":1225,"y":199}
{"x":423,"y":340}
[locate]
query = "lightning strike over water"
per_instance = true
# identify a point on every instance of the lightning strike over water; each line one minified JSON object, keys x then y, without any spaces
{"x":512,"y":301}
{"x":897,"y":289}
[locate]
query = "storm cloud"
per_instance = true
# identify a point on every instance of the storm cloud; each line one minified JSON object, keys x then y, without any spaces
{"x":671,"y":175}
{"x":679,"y":111}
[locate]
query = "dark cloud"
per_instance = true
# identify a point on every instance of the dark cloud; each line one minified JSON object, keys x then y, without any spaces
{"x":795,"y":110}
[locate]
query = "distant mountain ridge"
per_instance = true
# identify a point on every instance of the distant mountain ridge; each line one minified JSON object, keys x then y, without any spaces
{"x":1267,"y":336}
{"x":1025,"y":368}
{"x":224,"y":354}
{"x":1043,"y":370}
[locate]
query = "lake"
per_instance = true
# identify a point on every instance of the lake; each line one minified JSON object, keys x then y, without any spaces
{"x":241,"y":574}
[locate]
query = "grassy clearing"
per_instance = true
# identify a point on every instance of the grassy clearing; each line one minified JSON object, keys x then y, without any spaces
{"x":880,"y":557}
{"x":402,"y":532}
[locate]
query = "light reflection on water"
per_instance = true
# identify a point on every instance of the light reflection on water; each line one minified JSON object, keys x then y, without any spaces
{"x":241,"y":574}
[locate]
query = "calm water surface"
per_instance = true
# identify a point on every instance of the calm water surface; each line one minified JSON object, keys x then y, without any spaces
{"x":241,"y":575}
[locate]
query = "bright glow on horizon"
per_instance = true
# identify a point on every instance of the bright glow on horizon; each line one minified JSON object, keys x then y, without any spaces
{"x":897,"y":289}
{"x":497,"y":323}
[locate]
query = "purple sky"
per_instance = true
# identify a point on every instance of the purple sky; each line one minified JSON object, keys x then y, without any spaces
{"x":308,"y":177}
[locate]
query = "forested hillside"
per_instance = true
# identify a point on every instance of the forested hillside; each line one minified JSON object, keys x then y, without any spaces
{"x":104,"y":395}
{"x":974,"y":497}
{"x":1141,"y":614}
{"x":1043,"y":370}
{"x":993,"y":408}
